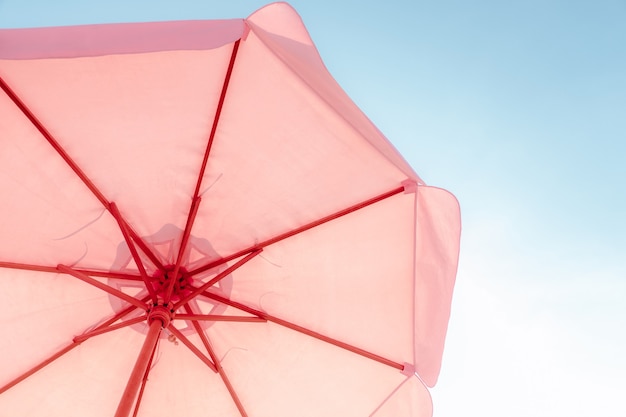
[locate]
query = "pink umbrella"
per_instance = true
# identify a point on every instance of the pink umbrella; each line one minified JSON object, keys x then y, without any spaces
{"x":196,"y":220}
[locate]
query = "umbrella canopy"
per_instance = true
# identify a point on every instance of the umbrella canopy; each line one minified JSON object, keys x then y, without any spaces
{"x":196,"y":220}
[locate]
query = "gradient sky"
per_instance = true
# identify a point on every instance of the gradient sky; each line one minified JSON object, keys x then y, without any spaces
{"x":518,"y":108}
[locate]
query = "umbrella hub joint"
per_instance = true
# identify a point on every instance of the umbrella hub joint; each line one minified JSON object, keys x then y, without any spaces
{"x":182,"y":285}
{"x":163,"y":313}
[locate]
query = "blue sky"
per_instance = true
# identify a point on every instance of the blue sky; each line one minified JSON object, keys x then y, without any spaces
{"x":518,"y":108}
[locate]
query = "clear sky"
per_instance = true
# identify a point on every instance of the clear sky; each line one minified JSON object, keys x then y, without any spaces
{"x":518,"y":108}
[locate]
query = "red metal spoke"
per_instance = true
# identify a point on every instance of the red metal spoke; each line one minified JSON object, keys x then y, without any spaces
{"x":120,"y":314}
{"x":304,"y":330}
{"x":71,"y":163}
{"x":131,"y":246}
{"x":217,"y":278}
{"x":299,"y":230}
{"x":218,"y":365}
{"x":217,"y":317}
{"x":145,"y":249}
{"x":195,"y":201}
{"x":183,"y":245}
{"x":114,"y":275}
{"x":38,"y":367}
{"x":88,"y":335}
{"x":57,"y":147}
{"x":54,"y":270}
{"x":65,"y":350}
{"x":113,"y":291}
{"x":200,"y":331}
{"x":216,"y":119}
{"x":191,"y":347}
{"x":193,"y":211}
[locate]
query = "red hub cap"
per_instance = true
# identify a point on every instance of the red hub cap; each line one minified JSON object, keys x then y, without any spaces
{"x":182,"y":284}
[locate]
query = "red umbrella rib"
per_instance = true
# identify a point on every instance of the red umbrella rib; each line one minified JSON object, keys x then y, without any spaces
{"x":195,"y":202}
{"x":304,"y":330}
{"x":74,"y":166}
{"x":299,"y":230}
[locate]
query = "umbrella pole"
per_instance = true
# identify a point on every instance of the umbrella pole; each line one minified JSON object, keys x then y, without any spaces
{"x":127,"y":402}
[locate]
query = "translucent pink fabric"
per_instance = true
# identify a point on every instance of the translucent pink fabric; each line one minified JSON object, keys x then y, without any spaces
{"x":133,"y":105}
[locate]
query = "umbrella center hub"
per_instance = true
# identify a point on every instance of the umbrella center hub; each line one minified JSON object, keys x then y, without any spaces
{"x":162,"y":313}
{"x":182,"y":285}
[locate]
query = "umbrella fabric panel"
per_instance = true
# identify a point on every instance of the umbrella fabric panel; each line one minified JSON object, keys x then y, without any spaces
{"x":136,"y":124}
{"x":88,"y":380}
{"x":278,"y":372}
{"x":178,"y":381}
{"x":345,"y":279}
{"x":281,"y":157}
{"x":52,"y":203}
{"x":41,"y":317}
{"x":296,"y":376}
{"x":281,"y":30}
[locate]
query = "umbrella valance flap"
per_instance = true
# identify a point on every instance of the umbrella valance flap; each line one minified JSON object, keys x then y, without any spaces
{"x":121,"y":38}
